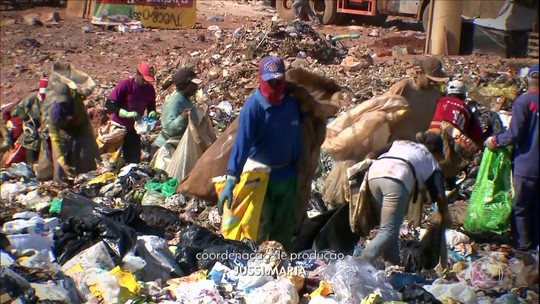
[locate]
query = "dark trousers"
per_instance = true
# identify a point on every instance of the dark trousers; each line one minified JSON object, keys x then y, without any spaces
{"x":131,"y":148}
{"x":525,"y":227}
{"x":278,"y":214}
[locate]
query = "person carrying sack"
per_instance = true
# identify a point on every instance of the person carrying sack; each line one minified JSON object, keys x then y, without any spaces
{"x":74,"y":149}
{"x":175,"y":110}
{"x":269,"y":132}
{"x":396,"y":173}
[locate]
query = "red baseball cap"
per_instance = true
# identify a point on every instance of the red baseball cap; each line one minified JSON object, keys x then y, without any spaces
{"x":146,"y":71}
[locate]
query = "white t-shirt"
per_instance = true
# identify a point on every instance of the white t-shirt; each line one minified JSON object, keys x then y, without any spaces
{"x":418,"y":155}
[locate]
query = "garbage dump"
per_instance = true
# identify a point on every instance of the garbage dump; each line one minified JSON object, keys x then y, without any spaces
{"x":127,"y":235}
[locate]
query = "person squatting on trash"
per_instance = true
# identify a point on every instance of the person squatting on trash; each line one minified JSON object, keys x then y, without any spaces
{"x":28,"y":111}
{"x":397,"y":172}
{"x":175,"y":110}
{"x":269,"y":132}
{"x":523,"y":135}
{"x":461,"y":131}
{"x":72,"y":139}
{"x":128,"y":101}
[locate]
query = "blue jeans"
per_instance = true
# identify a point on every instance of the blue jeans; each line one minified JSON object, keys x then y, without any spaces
{"x":391,"y":197}
{"x":304,"y":5}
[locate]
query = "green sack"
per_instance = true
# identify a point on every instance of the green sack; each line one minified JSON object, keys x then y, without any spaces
{"x":490,"y":205}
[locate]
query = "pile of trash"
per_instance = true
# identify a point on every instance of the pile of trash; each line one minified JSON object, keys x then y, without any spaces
{"x":125,"y":236}
{"x":88,"y":245}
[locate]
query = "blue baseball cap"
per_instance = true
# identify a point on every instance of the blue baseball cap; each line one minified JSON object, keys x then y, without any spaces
{"x":533,"y":72}
{"x":272,"y":67}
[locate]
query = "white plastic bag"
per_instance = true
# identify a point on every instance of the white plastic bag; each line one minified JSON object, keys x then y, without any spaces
{"x":281,"y":291}
{"x":458,"y":292}
{"x":353,"y":279}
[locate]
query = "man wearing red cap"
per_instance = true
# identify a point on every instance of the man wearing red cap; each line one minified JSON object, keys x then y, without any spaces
{"x":269,"y":132}
{"x":26,"y":117}
{"x":128,"y":102}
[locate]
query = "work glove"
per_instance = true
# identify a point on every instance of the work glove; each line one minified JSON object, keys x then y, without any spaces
{"x":226,"y":194}
{"x":152,"y":115}
{"x":491,"y":144}
{"x":126,"y":114}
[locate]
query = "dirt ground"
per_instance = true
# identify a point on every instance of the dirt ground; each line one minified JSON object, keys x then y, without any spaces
{"x":108,"y":56}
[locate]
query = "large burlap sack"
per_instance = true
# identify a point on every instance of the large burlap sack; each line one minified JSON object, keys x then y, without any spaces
{"x":198,"y":137}
{"x":364,"y":128}
{"x":317,"y":96}
{"x":65,"y":72}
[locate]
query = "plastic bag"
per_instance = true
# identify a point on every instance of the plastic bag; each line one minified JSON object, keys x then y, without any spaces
{"x":203,"y":291}
{"x":353,"y":279}
{"x":281,"y":291}
{"x":169,"y":187}
{"x":242,"y":221}
{"x":415,"y":294}
{"x":198,"y":136}
{"x":426,"y":253}
{"x":490,"y":205}
{"x":152,"y":197}
{"x":160,"y":261}
{"x":336,"y":234}
{"x":457,"y":291}
{"x":145,"y":125}
{"x":78,"y":234}
{"x":96,"y":256}
{"x":201,"y":240}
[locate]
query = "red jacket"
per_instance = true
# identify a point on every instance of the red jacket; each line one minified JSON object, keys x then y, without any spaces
{"x":457,"y":112}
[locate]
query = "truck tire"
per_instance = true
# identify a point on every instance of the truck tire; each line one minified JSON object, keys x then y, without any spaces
{"x":284,"y":9}
{"x":325,"y":9}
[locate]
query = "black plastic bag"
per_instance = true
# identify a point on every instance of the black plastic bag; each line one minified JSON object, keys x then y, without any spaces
{"x":415,"y":294}
{"x":76,"y":235}
{"x":130,"y":216}
{"x":423,"y":254}
{"x":186,"y":258}
{"x":76,"y":206}
{"x":198,"y":237}
{"x":213,"y":248}
{"x":310,"y":228}
{"x":336,"y":234}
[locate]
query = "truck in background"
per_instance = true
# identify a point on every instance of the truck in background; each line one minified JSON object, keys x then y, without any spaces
{"x":364,"y":11}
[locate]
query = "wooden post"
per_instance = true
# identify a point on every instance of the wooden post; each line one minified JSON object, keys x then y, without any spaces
{"x":427,"y":47}
{"x":446,"y":27}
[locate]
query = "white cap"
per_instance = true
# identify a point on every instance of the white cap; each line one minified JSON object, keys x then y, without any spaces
{"x":456,"y":87}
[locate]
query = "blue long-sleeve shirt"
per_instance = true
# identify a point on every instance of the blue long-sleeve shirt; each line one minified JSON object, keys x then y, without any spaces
{"x":268,"y":134}
{"x":523,"y":134}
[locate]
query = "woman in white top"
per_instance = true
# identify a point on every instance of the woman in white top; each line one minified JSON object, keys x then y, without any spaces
{"x":396,"y":174}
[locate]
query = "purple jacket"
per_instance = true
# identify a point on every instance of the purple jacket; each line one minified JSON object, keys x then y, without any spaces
{"x":131,"y":97}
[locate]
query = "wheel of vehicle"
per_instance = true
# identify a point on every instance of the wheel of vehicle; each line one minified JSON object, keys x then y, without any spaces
{"x":325,"y":9}
{"x":425,"y":17}
{"x":284,"y":9}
